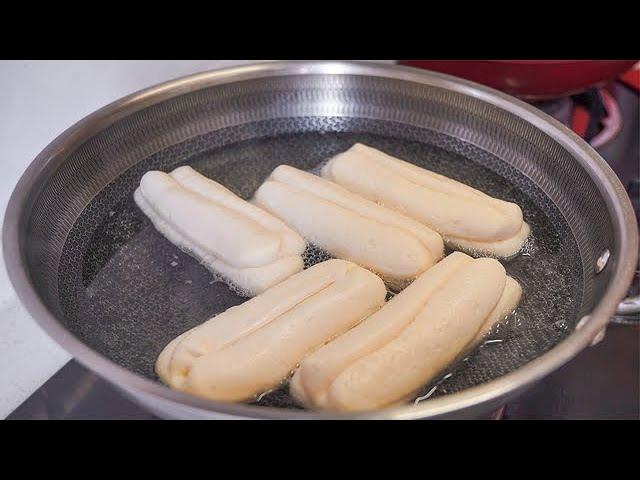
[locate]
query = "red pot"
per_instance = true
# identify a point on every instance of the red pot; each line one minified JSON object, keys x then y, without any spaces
{"x":531,"y":79}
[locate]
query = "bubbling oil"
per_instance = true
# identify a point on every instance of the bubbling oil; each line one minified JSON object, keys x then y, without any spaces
{"x":129,"y":295}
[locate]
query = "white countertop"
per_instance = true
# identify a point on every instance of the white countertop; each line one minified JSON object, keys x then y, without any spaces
{"x":38,"y":101}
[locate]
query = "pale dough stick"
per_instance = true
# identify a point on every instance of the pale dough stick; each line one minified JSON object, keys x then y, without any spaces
{"x":292,"y":243}
{"x":394,"y":253}
{"x":450,"y":213}
{"x":253,"y":347}
{"x":317,"y":372}
{"x":449,"y":321}
{"x":431,"y":179}
{"x":163,"y":363}
{"x":244,"y":319}
{"x":251,"y":280}
{"x":335,"y":193}
{"x":467,"y":218}
{"x":239,"y":240}
{"x":259,"y":362}
{"x":508,"y":302}
{"x":229,"y":236}
{"x":413,"y":337}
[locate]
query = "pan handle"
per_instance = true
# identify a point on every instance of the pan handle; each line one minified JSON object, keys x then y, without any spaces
{"x":629,"y":306}
{"x":628,"y":310}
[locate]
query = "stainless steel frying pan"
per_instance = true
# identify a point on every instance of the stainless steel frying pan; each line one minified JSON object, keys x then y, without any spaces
{"x":107,"y":287}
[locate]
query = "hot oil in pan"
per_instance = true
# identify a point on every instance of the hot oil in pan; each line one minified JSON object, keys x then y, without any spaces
{"x":132,"y":291}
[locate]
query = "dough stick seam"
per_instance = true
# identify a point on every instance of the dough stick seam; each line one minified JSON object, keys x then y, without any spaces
{"x":403,"y":167}
{"x":318,"y":347}
{"x":235,"y":340}
{"x":396,"y":335}
{"x":231,"y":343}
{"x":459,"y":227}
{"x":234,"y":204}
{"x":213,"y":263}
{"x":491,"y":201}
{"x":203,"y":258}
{"x":354,"y":212}
{"x":231,"y":212}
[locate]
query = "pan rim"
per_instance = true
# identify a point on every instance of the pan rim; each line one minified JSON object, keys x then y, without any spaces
{"x":616,"y":199}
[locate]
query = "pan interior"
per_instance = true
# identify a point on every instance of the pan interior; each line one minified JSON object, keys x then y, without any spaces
{"x":126,"y":291}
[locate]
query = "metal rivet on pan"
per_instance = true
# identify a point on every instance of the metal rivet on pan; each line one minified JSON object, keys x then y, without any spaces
{"x":583,"y":322}
{"x":602,"y":261}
